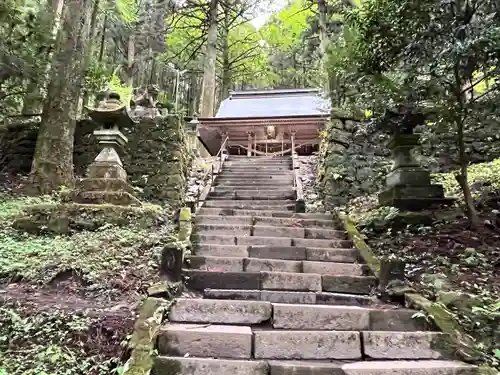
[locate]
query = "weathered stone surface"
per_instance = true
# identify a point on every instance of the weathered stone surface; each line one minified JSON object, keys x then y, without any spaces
{"x":288,"y":297}
{"x":395,"y":320}
{"x":208,"y":366}
{"x":247,"y":295}
{"x":264,"y":241}
{"x":200,"y":280}
{"x":273,"y":231}
{"x":402,"y":345}
{"x":331,"y":268}
{"x":206,"y":341}
{"x":216,"y":263}
{"x":320,"y":317}
{"x":290,"y":281}
{"x":214,"y":239}
{"x":325,"y":298}
{"x":291,"y":221}
{"x":229,"y":229}
{"x":271,"y":265}
{"x":277,"y":252}
{"x":331,"y":255}
{"x":221,"y":250}
{"x":222,"y":219}
{"x":409,"y":368}
{"x":214,"y":311}
{"x":305,"y":368}
{"x":324,"y":233}
{"x":349,"y":284}
{"x":307,"y":345}
{"x":312,"y":242}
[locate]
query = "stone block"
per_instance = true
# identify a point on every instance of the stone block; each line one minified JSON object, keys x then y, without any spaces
{"x":278,"y":252}
{"x":264,"y":241}
{"x":320,"y":317}
{"x":331,"y":255}
{"x":186,"y":310}
{"x":200,"y":280}
{"x":431,"y":367}
{"x":290,"y":281}
{"x":228,"y":229}
{"x":288,"y":297}
{"x":221,"y":250}
{"x":246,"y":295}
{"x":402,"y":345}
{"x":312,"y":242}
{"x":205,"y":341}
{"x":272,"y":231}
{"x":323,"y":233}
{"x":211,"y":263}
{"x":325,"y":298}
{"x":395,"y":320}
{"x":208,"y":366}
{"x":215,"y":239}
{"x":408,"y":176}
{"x":271,"y":265}
{"x":307,"y":345}
{"x":331,"y":268}
{"x":349,"y":284}
{"x":222,"y":219}
{"x":305,"y":368}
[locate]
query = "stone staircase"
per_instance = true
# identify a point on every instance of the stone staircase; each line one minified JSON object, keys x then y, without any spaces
{"x":283,"y":293}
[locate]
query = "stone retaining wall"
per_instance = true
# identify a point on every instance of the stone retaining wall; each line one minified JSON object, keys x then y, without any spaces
{"x":156,"y":157}
{"x":354,"y":162}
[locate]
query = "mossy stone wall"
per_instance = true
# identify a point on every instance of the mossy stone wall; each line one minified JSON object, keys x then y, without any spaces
{"x":156,"y":156}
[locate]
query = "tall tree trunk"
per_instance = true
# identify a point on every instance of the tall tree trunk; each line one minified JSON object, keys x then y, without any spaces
{"x":53,"y":160}
{"x":323,"y":47}
{"x":226,"y":67}
{"x":91,"y":44}
{"x":207,"y":101}
{"x":33,"y":101}
{"x":103,"y":38}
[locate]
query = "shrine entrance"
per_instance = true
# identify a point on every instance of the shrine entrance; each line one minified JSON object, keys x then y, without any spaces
{"x":274,"y":122}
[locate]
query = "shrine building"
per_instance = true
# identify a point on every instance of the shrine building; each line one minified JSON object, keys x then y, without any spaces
{"x":266,"y":122}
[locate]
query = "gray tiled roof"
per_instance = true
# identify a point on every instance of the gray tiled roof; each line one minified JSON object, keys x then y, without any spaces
{"x":274,"y":103}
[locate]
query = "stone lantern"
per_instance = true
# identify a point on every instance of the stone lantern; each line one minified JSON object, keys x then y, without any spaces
{"x":409,"y":185}
{"x":192,"y":133}
{"x":106,"y":180}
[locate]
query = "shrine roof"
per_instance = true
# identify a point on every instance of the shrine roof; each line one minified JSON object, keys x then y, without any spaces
{"x":273,"y":103}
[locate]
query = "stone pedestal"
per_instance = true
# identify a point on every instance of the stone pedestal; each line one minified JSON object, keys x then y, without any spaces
{"x":409,"y":186}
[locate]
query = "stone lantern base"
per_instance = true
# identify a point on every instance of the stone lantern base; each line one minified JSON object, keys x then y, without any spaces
{"x":409,"y":186}
{"x":106,"y":182}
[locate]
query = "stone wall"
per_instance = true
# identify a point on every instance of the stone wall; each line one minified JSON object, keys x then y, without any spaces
{"x":354,"y":162}
{"x":156,"y":157}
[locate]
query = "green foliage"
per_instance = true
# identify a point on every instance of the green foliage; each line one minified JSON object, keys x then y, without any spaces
{"x":122,"y":89}
{"x":50,"y":342}
{"x":482,"y":173}
{"x":127,"y":10}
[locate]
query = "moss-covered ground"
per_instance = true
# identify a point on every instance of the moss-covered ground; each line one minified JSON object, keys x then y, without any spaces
{"x":68,"y":301}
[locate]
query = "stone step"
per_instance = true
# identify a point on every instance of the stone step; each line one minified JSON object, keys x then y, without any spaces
{"x":254,"y":205}
{"x":302,"y":317}
{"x":209,"y":366}
{"x":242,"y":183}
{"x":294,"y":221}
{"x":257,"y":175}
{"x":246,"y":264}
{"x":235,"y":342}
{"x":277,"y":252}
{"x":223,"y":219}
{"x":190,"y":310}
{"x":278,"y":281}
{"x":256,"y":180}
{"x":429,"y":367}
{"x":320,"y":298}
{"x":229,"y":229}
{"x":221,"y":250}
{"x":195,"y":340}
{"x":223,"y":239}
{"x":307,"y":345}
{"x":205,"y":210}
{"x":258,"y":168}
{"x":220,"y":193}
{"x":297,"y":232}
{"x":249,"y":186}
